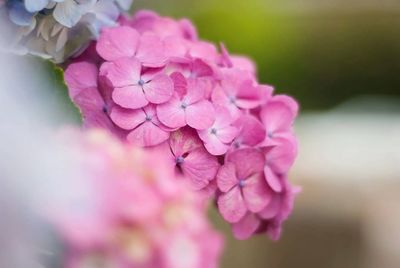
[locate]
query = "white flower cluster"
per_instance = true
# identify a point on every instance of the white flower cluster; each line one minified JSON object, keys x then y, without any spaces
{"x":55,"y":29}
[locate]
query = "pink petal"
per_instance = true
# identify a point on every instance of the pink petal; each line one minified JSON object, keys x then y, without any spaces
{"x":117,"y":42}
{"x":151,"y":51}
{"x":201,"y":69}
{"x":256,"y":193}
{"x":223,"y":117}
{"x":243,"y":63}
{"x":184,"y":141}
{"x":246,"y":227}
{"x":160,"y":89}
{"x":231,"y":205}
{"x":131,"y":97}
{"x":171,"y":113}
{"x":79,"y":76}
{"x":281,"y":157}
{"x":148,"y":134}
{"x":127,"y":119}
{"x":249,"y":96}
{"x":122,"y":72}
{"x":247,"y":161}
{"x":273,"y":180}
{"x":227,"y":134}
{"x":273,"y":208}
{"x":226,"y":177}
{"x":204,"y":50}
{"x":200,"y":115}
{"x":252,"y":131}
{"x":180,"y":83}
{"x":175,"y":47}
{"x":195,"y":91}
{"x":277,"y":116}
{"x":289,"y":101}
{"x":200,"y":167}
{"x":215,"y":147}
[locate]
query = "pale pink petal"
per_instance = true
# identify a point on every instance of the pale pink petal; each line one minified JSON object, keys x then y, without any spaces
{"x":226,"y":177}
{"x":196,"y":90}
{"x":180,"y":83}
{"x":79,"y":76}
{"x":160,"y":89}
{"x":277,"y":116}
{"x":131,"y":97}
{"x":171,"y":113}
{"x":256,"y":193}
{"x":243,"y":63}
{"x":215,"y":147}
{"x":151,"y":51}
{"x":289,"y":101}
{"x":122,"y":72}
{"x":148,"y":134}
{"x":248,"y":161}
{"x":231,"y":205}
{"x":118,"y":42}
{"x":201,"y":69}
{"x":281,"y":157}
{"x":227,"y":134}
{"x":175,"y":47}
{"x":246,"y":227}
{"x":184,"y":141}
{"x":188,"y":29}
{"x":200,"y":115}
{"x":127,"y":119}
{"x":200,"y":167}
{"x":249,"y":96}
{"x":204,"y":50}
{"x":223,"y":117}
{"x":273,"y":180}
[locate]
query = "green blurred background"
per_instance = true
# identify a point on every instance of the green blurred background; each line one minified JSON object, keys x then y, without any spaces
{"x":321,"y":52}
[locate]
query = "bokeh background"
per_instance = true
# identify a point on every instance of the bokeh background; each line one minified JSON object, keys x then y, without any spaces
{"x":341,"y":60}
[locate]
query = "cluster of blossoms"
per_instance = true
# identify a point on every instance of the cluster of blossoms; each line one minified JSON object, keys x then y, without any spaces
{"x":56,"y":29}
{"x":137,"y":216}
{"x":152,"y":82}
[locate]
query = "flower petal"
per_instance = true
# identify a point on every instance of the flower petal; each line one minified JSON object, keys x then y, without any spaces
{"x":231,"y":205}
{"x":252,"y":130}
{"x":148,"y":134}
{"x":256,"y":193}
{"x":127,"y":119}
{"x":246,"y":227}
{"x":122,"y":72}
{"x":79,"y":76}
{"x":131,"y":97}
{"x":151,"y":51}
{"x":171,"y":114}
{"x":226,"y":177}
{"x":160,"y":89}
{"x":118,"y":42}
{"x":200,"y":115}
{"x":247,"y":161}
{"x":273,"y":180}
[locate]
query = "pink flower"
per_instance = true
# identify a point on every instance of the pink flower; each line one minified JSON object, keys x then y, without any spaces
{"x":146,"y":128}
{"x":278,"y":160}
{"x":271,"y":218}
{"x":243,"y":186}
{"x":134,"y":89}
{"x":278,"y":116}
{"x":218,"y":137}
{"x":190,"y":158}
{"x":252,"y":132}
{"x":125,"y":42}
{"x":238,"y":91}
{"x":191,"y":108}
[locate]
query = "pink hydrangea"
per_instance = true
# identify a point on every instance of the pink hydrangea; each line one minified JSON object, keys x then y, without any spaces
{"x":155,"y":84}
{"x":138,"y":216}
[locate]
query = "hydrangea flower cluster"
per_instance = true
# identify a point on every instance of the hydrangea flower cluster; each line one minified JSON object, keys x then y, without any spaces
{"x":153,"y":82}
{"x":57,"y":29}
{"x":138,"y":216}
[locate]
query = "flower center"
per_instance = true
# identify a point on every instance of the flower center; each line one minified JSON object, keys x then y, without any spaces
{"x":179,"y":160}
{"x":148,"y":117}
{"x":184,"y":105}
{"x":241,"y":183}
{"x":141,"y":82}
{"x":214,"y":131}
{"x":270,"y":134}
{"x":232,"y":99}
{"x":105,"y":109}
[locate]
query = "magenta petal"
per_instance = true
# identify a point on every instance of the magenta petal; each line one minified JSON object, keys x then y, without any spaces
{"x":273,"y":180}
{"x":246,"y":227}
{"x":160,"y":89}
{"x":281,"y":157}
{"x":200,"y":167}
{"x":79,"y":76}
{"x":127,"y":119}
{"x":171,"y":114}
{"x":200,"y":115}
{"x":151,"y":51}
{"x":231,"y":205}
{"x":256,"y":193}
{"x":247,"y":161}
{"x":131,"y":97}
{"x":249,"y":96}
{"x":148,"y":134}
{"x":118,"y":42}
{"x":227,"y":134}
{"x":226,"y":177}
{"x":122,"y":72}
{"x":277,"y":116}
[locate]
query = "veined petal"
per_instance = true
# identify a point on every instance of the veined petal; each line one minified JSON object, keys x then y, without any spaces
{"x":127,"y":118}
{"x":131,"y":97}
{"x":171,"y":114}
{"x":226,"y":177}
{"x":200,"y":115}
{"x":160,"y":89}
{"x":231,"y":205}
{"x":256,"y":193}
